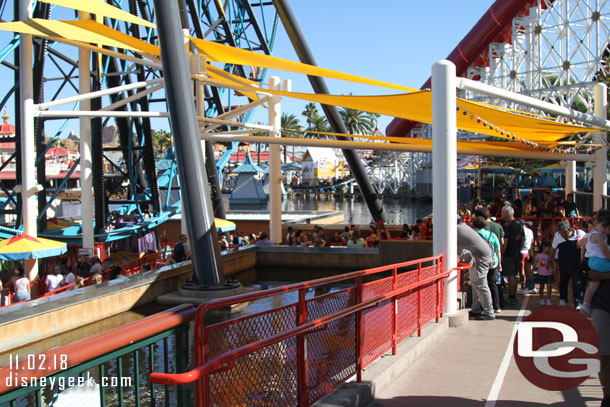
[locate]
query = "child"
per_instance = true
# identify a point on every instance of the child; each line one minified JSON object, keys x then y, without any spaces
{"x":598,"y":253}
{"x":545,"y":275}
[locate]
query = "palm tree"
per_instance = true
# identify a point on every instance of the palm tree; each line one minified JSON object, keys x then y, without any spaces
{"x":319,"y":124}
{"x":358,"y":122}
{"x":289,"y":122}
{"x":310,"y":113}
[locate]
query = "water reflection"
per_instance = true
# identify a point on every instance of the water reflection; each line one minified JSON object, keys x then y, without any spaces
{"x":355,"y":211}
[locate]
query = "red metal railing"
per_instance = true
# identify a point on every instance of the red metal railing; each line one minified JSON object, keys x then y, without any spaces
{"x":129,"y":268}
{"x":295,"y":354}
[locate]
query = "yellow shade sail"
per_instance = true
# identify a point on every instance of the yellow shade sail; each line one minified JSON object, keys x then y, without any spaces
{"x":87,"y":31}
{"x":417,"y":106}
{"x":100,"y":8}
{"x":223,"y":53}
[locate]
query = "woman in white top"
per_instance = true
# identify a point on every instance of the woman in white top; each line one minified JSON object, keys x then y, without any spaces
{"x":22,"y":286}
{"x":356,"y":240}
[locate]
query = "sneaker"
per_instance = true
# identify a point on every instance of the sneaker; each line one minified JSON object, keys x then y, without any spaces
{"x":542,"y":302}
{"x":512,"y":301}
{"x":497,"y":311}
{"x":485,"y":317}
{"x":533,"y":291}
{"x":474,"y":315}
{"x":585,"y":309}
{"x":562,"y":302}
{"x":548,"y":302}
{"x":523,"y":291}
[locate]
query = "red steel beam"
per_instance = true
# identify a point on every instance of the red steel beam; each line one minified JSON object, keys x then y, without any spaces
{"x":476,"y":43}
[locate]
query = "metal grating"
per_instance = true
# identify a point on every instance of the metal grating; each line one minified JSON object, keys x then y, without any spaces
{"x":232,"y":334}
{"x":332,"y":356}
{"x":266,"y":377}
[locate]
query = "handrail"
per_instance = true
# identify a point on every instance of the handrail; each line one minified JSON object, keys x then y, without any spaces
{"x":98,"y":345}
{"x":224,"y":302}
{"x":212,"y":365}
{"x":199,"y":371}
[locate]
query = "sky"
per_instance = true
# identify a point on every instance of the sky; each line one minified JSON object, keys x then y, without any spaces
{"x":395,"y":41}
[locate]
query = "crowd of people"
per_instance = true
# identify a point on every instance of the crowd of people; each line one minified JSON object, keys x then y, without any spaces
{"x":350,"y":236}
{"x":574,"y":257}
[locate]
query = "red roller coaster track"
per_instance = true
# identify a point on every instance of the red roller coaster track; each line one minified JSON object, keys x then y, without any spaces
{"x":494,"y":26}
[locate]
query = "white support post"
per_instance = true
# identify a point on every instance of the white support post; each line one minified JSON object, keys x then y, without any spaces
{"x":600,"y":182}
{"x":444,"y":174}
{"x":86,"y":171}
{"x":570,"y":177}
{"x":275,"y":163}
{"x":29,"y":207}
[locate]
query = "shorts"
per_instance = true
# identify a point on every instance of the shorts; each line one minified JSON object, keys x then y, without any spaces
{"x":524,"y":259}
{"x":540,"y":279}
{"x":600,"y":264}
{"x":510,"y":265}
{"x":601,"y":322}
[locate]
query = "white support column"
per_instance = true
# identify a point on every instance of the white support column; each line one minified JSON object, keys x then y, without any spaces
{"x":275,"y":163}
{"x":570,"y":177}
{"x":86,"y":171}
{"x":29,"y":207}
{"x":600,"y":183}
{"x":444,"y":173}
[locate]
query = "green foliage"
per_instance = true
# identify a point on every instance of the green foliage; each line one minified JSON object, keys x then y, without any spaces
{"x":162,"y":140}
{"x":359,"y":122}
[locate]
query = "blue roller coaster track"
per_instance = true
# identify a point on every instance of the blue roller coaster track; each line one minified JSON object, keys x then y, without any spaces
{"x":128,"y":180}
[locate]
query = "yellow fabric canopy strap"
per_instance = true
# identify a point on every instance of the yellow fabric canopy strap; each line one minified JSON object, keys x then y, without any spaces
{"x":417,"y":106}
{"x":101,"y":8}
{"x":223,"y":53}
{"x":87,"y":31}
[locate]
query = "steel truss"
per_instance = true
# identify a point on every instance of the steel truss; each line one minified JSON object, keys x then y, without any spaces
{"x":125,"y":175}
{"x":556,"y":53}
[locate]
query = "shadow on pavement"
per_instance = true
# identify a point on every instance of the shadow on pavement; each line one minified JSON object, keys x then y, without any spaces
{"x":444,"y":401}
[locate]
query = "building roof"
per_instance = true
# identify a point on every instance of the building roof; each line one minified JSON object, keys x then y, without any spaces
{"x":248,"y":167}
{"x":60,"y":152}
{"x":6,"y":127}
{"x":321,"y":154}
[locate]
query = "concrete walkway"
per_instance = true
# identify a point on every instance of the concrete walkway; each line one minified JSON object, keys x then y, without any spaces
{"x":472,"y":366}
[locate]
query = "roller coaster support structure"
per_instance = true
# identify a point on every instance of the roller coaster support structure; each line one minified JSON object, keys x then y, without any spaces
{"x":334,"y":119}
{"x":191,"y":169}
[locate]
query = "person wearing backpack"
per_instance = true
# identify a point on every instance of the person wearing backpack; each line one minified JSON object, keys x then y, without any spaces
{"x":493,"y":275}
{"x":567,"y":257}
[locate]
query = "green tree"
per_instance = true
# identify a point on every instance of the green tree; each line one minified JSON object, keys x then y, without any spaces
{"x":162,"y":140}
{"x":310,"y":113}
{"x":290,"y":122}
{"x":358,"y":122}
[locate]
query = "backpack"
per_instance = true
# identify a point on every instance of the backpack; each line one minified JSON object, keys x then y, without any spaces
{"x":493,"y":252}
{"x":179,"y":252}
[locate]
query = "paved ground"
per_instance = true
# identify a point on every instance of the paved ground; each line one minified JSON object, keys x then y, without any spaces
{"x":471,"y":366}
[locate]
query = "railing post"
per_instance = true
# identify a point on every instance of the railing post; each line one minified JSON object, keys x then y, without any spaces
{"x":394,"y":310}
{"x":419,"y":300}
{"x":441,"y":301}
{"x":303,"y":363}
{"x":181,"y":350}
{"x":439,"y":292}
{"x":201,"y":354}
{"x":359,"y":330}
